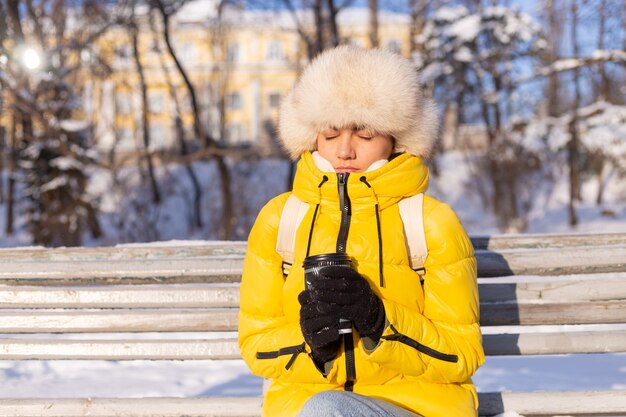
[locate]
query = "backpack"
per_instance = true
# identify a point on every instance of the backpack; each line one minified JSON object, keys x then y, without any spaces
{"x":411,"y":214}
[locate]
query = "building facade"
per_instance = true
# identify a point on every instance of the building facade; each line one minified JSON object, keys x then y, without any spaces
{"x":240,"y":64}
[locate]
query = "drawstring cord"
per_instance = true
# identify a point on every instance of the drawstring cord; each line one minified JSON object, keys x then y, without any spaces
{"x":317,"y":206}
{"x":380,"y":237}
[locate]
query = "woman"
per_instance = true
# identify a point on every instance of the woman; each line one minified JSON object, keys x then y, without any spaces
{"x":359,"y":123}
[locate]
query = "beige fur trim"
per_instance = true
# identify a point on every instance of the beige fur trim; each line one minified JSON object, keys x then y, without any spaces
{"x":348,"y":85}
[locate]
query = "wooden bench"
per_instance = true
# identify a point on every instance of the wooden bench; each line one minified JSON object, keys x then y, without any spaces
{"x":54,"y":293}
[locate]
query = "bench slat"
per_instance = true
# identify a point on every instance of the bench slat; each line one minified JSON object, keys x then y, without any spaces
{"x":560,"y":261}
{"x":495,"y":345}
{"x":226,"y":319}
{"x":153,"y":320}
{"x":587,"y":403}
{"x":205,"y":248}
{"x":227,"y":268}
{"x":555,"y":343}
{"x":127,"y":407}
{"x":121,"y":296}
{"x":19,"y":349}
{"x":107,"y":271}
{"x":547,"y":240}
{"x":571,"y":403}
{"x":124,"y":252}
{"x":593,"y":288}
{"x":591,"y":312}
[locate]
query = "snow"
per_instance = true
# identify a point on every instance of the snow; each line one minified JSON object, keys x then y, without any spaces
{"x":70,"y":125}
{"x":565,"y":64}
{"x":55,"y":183}
{"x":449,"y":14}
{"x":197,"y":11}
{"x":465,"y":29}
{"x":65,"y":163}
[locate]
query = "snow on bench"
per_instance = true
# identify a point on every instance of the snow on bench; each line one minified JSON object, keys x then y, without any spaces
{"x":48,"y":296}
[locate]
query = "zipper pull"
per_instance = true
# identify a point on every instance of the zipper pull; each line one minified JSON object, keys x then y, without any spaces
{"x":296,"y":351}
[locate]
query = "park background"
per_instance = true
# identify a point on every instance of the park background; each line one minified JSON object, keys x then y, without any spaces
{"x":143,"y":121}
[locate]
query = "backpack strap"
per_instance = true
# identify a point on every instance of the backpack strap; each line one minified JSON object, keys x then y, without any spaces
{"x":290,"y":218}
{"x":411,"y":213}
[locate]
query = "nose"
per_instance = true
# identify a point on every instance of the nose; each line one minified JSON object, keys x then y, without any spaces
{"x":345,"y":150}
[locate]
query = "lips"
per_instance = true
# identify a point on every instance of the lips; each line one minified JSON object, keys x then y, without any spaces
{"x":346,"y":169}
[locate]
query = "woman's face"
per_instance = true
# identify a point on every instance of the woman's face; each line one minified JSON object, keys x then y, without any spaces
{"x":351,"y":149}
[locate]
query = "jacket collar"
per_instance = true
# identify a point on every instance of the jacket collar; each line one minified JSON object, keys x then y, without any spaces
{"x":402,"y":177}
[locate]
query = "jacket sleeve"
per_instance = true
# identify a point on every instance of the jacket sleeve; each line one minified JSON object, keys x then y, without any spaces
{"x":271,"y":346}
{"x":444,"y":343}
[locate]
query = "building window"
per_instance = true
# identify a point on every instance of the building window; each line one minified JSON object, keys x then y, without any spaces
{"x":274,"y":51}
{"x":122,"y":103}
{"x":394,"y":45}
{"x":157,"y":135}
{"x":122,"y":57}
{"x":124,"y":138}
{"x":185,"y":103}
{"x":88,"y":100}
{"x":234,"y":101}
{"x":156,"y":101}
{"x":273,"y":100}
{"x":235,"y":133}
{"x":188,"y":53}
{"x":233,"y":52}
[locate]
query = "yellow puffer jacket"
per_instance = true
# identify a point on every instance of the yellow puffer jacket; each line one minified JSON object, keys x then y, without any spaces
{"x":432,"y":343}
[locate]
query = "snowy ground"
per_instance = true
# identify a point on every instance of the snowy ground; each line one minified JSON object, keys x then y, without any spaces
{"x":232,"y":378}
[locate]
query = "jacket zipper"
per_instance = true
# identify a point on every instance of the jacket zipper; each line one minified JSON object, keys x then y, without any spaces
{"x":419,"y":347}
{"x":294,"y":351}
{"x":346,"y":211}
{"x":344,"y":228}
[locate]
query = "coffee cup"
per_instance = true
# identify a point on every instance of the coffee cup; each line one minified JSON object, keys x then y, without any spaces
{"x":312,"y":267}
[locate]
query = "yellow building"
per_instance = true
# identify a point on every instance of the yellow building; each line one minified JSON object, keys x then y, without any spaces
{"x":240,"y":65}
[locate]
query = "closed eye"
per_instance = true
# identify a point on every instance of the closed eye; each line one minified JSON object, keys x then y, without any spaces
{"x":330,"y":133}
{"x":365,"y":134}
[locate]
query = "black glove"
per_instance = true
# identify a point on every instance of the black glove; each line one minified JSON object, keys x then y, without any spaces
{"x":320,"y":331}
{"x":347,"y":295}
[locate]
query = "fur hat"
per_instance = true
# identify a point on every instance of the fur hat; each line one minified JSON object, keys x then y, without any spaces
{"x":348,"y":85}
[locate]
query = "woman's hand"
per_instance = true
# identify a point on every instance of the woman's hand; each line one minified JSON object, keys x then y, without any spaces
{"x":346,"y":294}
{"x":321,"y":331}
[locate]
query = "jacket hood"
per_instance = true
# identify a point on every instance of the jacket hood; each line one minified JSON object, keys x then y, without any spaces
{"x":347,"y":86}
{"x":403,"y":176}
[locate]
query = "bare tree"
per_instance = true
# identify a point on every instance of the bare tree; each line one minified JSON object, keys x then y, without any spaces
{"x":145,"y":123}
{"x":573,"y":145}
{"x":373,"y":6}
{"x":597,"y":159}
{"x":325,"y":31}
{"x":554,"y":37}
{"x":50,"y":158}
{"x":418,"y":9}
{"x":604,"y":79}
{"x":180,"y":131}
{"x":333,"y":10}
{"x":20,"y":119}
{"x":228,"y":221}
